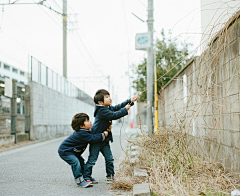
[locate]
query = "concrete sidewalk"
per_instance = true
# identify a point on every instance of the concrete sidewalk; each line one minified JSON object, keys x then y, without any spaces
{"x":17,"y":145}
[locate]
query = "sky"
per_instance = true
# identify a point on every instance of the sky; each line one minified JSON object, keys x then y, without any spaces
{"x":102,"y":43}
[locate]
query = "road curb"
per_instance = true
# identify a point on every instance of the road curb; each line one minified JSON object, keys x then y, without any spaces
{"x":138,"y":189}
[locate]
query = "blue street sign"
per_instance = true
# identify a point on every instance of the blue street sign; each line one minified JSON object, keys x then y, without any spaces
{"x":142,"y":40}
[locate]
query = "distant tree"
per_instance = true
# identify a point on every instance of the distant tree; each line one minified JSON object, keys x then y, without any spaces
{"x":169,"y":56}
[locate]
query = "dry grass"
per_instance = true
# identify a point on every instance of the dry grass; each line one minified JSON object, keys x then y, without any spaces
{"x":174,"y":168}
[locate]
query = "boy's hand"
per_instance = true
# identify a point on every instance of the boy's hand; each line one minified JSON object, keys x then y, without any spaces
{"x":106,"y":133}
{"x":128,"y":106}
{"x":109,"y":128}
{"x":134,"y":98}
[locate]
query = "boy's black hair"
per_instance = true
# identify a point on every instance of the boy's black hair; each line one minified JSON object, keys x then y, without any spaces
{"x":78,"y":120}
{"x":99,"y":95}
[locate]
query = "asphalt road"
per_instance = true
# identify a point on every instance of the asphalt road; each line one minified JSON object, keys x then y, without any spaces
{"x":37,"y":169}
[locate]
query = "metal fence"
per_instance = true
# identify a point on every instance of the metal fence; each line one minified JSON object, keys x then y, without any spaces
{"x":13,"y":110}
{"x":44,"y":75}
{"x":5,"y":102}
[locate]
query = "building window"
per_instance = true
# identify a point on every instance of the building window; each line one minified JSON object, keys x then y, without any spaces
{"x":14,"y":70}
{"x":22,"y":73}
{"x":7,"y":67}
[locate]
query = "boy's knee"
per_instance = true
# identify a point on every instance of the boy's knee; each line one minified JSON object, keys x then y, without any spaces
{"x":92,"y":159}
{"x":92,"y":163}
{"x":75,"y":164}
{"x":110,"y":160}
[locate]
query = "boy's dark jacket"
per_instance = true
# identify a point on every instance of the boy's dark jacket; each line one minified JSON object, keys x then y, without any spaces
{"x":104,"y":116}
{"x":78,"y":141}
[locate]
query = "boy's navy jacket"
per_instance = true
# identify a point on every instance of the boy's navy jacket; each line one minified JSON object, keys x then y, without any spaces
{"x":104,"y":116}
{"x":78,"y":141}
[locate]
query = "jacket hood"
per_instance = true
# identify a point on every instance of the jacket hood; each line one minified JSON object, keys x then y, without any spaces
{"x":97,"y":107}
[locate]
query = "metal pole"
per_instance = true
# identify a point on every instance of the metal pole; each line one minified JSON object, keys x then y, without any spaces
{"x":1,"y":109}
{"x":64,"y":38}
{"x":27,"y":109}
{"x":155,"y":96}
{"x":14,"y":109}
{"x":150,"y":70}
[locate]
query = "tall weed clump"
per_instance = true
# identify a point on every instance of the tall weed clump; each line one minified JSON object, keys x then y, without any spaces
{"x":174,"y":168}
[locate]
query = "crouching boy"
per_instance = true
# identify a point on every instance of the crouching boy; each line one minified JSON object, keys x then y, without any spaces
{"x":73,"y":146}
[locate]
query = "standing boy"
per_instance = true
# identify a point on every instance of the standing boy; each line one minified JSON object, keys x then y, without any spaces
{"x":72,"y":147}
{"x":104,"y":114}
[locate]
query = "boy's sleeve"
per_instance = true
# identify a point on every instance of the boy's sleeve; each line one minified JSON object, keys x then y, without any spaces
{"x":121,"y":105}
{"x":93,"y":138}
{"x":113,"y":115}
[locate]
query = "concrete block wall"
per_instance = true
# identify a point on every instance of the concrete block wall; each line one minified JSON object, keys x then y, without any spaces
{"x":5,"y":123}
{"x":208,"y":106}
{"x":52,"y":112}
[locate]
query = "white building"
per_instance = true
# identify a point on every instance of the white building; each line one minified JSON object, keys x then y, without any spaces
{"x":12,"y":72}
{"x":214,"y":15}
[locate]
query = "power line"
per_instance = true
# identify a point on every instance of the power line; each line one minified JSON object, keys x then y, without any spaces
{"x":50,"y":8}
{"x":85,"y":47}
{"x":57,"y":5}
{"x":88,"y":52}
{"x":87,"y":56}
{"x":70,"y":36}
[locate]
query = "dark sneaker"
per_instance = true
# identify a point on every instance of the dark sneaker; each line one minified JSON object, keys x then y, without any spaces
{"x":93,"y":181}
{"x":82,"y":183}
{"x":110,"y":180}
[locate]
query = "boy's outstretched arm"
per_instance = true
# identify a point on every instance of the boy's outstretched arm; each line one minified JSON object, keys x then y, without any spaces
{"x":114,"y":115}
{"x":123,"y":104}
{"x":95,"y":138}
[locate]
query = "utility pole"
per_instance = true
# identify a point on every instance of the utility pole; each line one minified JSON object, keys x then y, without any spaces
{"x":64,"y":38}
{"x":14,"y":110}
{"x":109,"y":82}
{"x":150,"y":70}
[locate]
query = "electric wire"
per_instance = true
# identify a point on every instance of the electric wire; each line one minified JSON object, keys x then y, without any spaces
{"x":84,"y":53}
{"x":74,"y":41}
{"x":87,"y":48}
{"x":58,"y":5}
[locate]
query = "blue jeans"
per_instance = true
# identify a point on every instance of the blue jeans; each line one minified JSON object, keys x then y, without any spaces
{"x":76,"y":162}
{"x":94,"y":150}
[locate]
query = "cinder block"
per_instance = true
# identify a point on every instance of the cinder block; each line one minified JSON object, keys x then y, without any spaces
{"x":234,"y":49}
{"x":139,"y":173}
{"x":133,"y":154}
{"x":134,"y":160}
{"x":232,"y":86}
{"x":226,"y":121}
{"x":141,"y":190}
{"x":235,"y":139}
{"x":226,"y":137}
{"x":133,"y":147}
{"x":234,"y":67}
{"x":234,"y":121}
